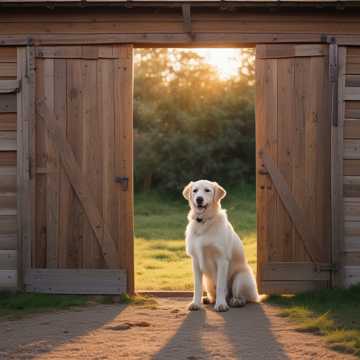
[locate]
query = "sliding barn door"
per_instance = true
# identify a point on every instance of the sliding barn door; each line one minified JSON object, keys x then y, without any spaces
{"x":81,"y":171}
{"x":293,"y":167}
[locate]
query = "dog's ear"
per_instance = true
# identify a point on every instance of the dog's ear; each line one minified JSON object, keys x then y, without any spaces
{"x":187,"y":190}
{"x":220,"y":192}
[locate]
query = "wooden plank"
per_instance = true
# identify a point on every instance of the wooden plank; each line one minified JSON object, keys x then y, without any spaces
{"x":25,"y":145}
{"x":352,"y":110}
{"x":295,"y":271}
{"x":7,"y":259}
{"x":106,"y":111}
{"x":52,"y":178}
{"x":352,"y":129}
{"x":8,"y":54}
{"x":9,"y":86}
{"x":337,"y":186}
{"x":352,"y":80}
{"x":8,"y":279}
{"x":266,"y":137}
{"x":124,"y":156}
{"x":294,"y":211}
{"x":351,"y":93}
{"x":351,"y":258}
{"x":8,"y":203}
{"x":7,"y":121}
{"x":352,"y":275}
{"x":92,"y":153}
{"x":8,"y":224}
{"x":289,"y":51}
{"x":76,"y":281}
{"x":283,"y":244}
{"x":352,"y":149}
{"x":7,"y":180}
{"x":352,"y":186}
{"x":8,"y":241}
{"x":351,"y":167}
{"x":80,"y":184}
{"x":7,"y":103}
{"x":74,"y":52}
{"x":352,"y":209}
{"x":292,"y":287}
{"x":8,"y":141}
{"x":7,"y":70}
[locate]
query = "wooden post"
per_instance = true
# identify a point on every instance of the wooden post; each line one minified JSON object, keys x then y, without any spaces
{"x":25,"y":143}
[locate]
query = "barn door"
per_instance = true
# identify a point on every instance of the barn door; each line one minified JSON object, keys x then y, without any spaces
{"x":293,"y":167}
{"x":81,"y":171}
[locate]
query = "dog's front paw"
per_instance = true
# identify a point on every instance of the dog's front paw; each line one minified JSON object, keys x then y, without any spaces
{"x":237,"y":301}
{"x":221,"y":307}
{"x":194,"y":306}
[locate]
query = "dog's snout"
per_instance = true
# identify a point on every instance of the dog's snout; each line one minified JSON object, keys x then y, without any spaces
{"x":199,"y":200}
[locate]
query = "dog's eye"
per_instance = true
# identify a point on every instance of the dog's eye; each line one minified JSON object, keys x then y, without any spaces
{"x":207,"y":190}
{"x":195,"y":190}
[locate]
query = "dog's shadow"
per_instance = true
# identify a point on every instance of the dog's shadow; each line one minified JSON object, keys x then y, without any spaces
{"x":243,"y":333}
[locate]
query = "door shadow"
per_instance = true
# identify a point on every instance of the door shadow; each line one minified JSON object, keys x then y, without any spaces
{"x":243,"y":333}
{"x":39,"y":334}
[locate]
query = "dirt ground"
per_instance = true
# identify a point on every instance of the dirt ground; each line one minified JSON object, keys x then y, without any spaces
{"x":165,"y":330}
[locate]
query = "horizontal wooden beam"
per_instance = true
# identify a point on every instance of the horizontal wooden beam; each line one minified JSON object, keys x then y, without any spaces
{"x":161,"y":39}
{"x":75,"y":281}
{"x":299,"y":271}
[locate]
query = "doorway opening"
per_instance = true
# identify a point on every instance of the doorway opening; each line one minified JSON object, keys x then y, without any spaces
{"x":194,"y":118}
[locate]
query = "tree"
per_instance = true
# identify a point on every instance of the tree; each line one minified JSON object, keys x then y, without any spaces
{"x":190,"y":123}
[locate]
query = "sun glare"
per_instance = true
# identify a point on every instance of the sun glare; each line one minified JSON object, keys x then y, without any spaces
{"x":227,"y":62}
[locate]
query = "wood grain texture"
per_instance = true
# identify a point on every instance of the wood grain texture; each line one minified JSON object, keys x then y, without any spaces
{"x":351,"y":129}
{"x":7,"y":103}
{"x":299,"y":146}
{"x":8,"y":279}
{"x":76,"y":281}
{"x":7,"y":121}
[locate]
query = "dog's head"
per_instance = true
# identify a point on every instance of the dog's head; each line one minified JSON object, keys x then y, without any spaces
{"x":202,"y":194}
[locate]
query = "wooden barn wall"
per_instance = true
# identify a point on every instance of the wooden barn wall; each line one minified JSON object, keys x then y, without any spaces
{"x":8,"y":243}
{"x":141,"y":26}
{"x":351,"y":117}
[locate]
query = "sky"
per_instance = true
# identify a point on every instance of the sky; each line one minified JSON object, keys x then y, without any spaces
{"x":225,"y":61}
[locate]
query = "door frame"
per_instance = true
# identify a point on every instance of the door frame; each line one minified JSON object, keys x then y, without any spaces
{"x":26,"y":120}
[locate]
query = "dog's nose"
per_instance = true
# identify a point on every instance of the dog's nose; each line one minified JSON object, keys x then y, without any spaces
{"x":199,"y":200}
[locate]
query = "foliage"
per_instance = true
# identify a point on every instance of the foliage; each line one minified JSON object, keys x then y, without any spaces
{"x":160,"y":259}
{"x":190,"y":123}
{"x":332,"y":313}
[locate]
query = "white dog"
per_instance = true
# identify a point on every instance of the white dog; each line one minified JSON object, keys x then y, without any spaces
{"x":217,"y":252}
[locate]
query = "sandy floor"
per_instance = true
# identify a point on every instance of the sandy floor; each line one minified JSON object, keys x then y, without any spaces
{"x":166,"y":331}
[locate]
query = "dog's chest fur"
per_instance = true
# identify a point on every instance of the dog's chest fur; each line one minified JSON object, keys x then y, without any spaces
{"x":204,"y":241}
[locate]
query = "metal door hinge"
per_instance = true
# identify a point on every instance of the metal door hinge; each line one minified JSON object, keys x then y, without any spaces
{"x":123,"y":181}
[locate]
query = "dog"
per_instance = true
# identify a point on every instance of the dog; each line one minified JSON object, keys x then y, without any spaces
{"x":218,"y":258}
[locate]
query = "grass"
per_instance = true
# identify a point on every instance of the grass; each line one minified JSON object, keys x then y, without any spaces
{"x":331,"y":313}
{"x":160,"y":259}
{"x":20,"y":304}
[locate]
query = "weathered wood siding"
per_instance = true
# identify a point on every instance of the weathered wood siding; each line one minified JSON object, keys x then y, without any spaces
{"x":350,"y":102}
{"x":8,"y":239}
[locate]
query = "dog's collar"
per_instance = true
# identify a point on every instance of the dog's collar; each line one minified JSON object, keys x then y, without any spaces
{"x":202,"y":221}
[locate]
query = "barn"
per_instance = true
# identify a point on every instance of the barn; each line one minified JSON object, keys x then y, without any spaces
{"x":66,"y":163}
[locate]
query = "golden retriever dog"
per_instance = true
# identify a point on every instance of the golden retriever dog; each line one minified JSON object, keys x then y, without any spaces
{"x":218,"y":257}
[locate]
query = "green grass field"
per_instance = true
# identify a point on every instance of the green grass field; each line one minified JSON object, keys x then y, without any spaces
{"x":160,"y":259}
{"x":331,"y":313}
